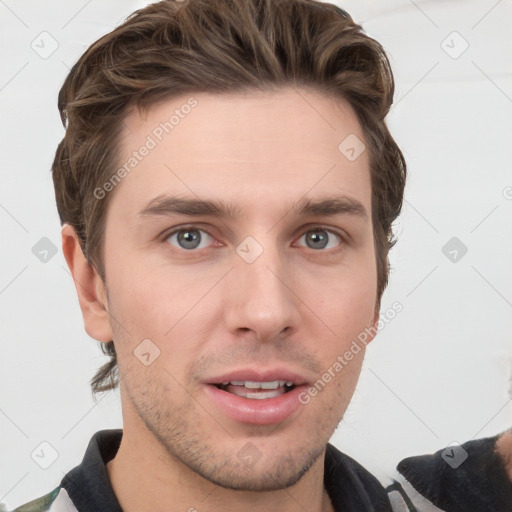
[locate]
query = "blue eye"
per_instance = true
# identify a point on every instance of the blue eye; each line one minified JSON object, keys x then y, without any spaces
{"x":189,"y":238}
{"x":320,"y":238}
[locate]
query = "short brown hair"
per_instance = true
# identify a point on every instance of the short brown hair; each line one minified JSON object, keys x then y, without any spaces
{"x":218,"y":46}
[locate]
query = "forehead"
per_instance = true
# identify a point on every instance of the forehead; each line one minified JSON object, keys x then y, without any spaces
{"x":255,"y":147}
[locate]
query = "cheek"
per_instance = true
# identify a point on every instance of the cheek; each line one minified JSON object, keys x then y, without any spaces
{"x":160,"y":305}
{"x":346,"y":302}
{"x":343,"y":309}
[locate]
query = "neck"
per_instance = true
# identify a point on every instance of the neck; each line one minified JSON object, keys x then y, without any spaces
{"x":146,"y":477}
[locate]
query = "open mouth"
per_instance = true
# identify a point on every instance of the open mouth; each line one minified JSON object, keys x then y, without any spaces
{"x":258,"y":401}
{"x":256,"y":390}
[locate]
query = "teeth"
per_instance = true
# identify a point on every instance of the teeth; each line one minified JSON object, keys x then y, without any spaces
{"x":262,"y":395}
{"x":259,"y":385}
{"x":258,"y":395}
{"x":252,"y":385}
{"x":271,"y":385}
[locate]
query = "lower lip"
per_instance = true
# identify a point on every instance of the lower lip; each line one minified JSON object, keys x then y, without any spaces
{"x":265,"y":411}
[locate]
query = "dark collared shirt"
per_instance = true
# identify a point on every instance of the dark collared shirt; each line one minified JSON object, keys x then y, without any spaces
{"x":87,"y":488}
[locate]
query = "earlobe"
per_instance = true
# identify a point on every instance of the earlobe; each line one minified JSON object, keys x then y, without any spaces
{"x":89,"y":287}
{"x":376,"y":318}
{"x":374,"y":328}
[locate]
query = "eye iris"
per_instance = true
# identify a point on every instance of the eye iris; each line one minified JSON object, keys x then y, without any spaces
{"x":189,"y":239}
{"x":318,"y":238}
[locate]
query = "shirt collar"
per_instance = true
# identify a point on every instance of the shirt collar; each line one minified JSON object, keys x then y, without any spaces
{"x":349,"y":485}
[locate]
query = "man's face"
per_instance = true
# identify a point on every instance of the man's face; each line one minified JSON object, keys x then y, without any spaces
{"x":268,"y":294}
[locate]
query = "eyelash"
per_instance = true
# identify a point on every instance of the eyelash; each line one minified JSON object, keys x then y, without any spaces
{"x":317,"y":227}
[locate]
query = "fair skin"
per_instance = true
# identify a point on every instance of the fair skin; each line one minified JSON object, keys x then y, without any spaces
{"x":296,"y":307}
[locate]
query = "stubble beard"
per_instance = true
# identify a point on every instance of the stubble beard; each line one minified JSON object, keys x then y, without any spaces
{"x":190,"y":443}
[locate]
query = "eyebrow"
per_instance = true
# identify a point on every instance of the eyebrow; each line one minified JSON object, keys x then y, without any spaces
{"x":325,"y":207}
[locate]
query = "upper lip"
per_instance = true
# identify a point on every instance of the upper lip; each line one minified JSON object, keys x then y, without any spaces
{"x":259,"y":375}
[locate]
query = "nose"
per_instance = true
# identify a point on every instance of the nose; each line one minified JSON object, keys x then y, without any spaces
{"x":261,"y":297}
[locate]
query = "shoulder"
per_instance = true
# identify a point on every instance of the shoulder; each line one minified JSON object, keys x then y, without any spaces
{"x":41,"y":504}
{"x":55,"y":501}
{"x":469,"y":476}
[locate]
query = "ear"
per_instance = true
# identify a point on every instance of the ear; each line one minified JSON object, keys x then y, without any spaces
{"x":89,"y":287}
{"x":373,"y":329}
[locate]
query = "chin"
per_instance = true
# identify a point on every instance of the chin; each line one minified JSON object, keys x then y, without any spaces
{"x":265,"y":474}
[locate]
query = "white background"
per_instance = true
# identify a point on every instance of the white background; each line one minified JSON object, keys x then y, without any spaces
{"x":439,"y":372}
